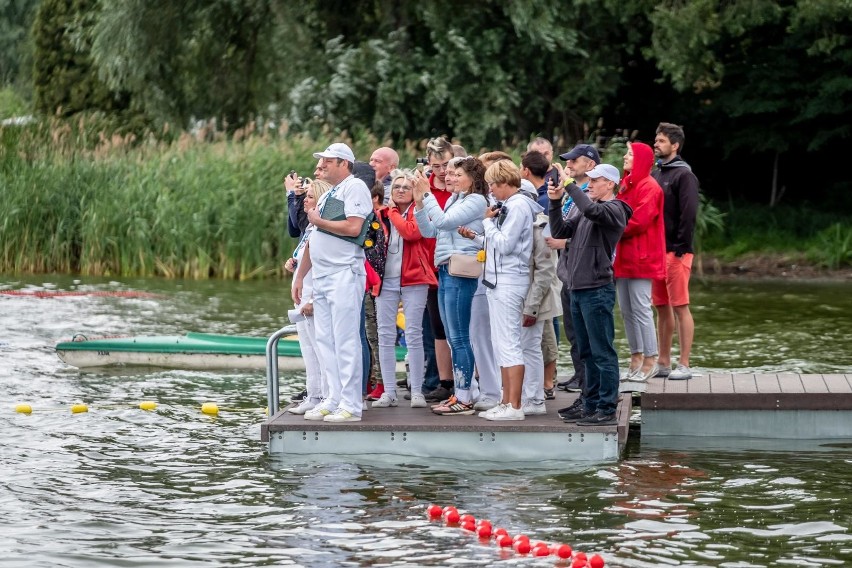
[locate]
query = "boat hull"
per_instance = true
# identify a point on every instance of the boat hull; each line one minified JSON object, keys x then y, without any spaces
{"x":201,"y":351}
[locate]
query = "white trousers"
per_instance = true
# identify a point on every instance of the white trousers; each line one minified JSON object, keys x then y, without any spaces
{"x":634,"y":299}
{"x":490,"y":383}
{"x":337,"y":316}
{"x":533,"y":361}
{"x":315,"y":381}
{"x":413,"y":300}
{"x":506,"y":306}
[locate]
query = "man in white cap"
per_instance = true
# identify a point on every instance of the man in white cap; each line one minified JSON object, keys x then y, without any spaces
{"x":339,"y":280}
{"x":594,"y":235}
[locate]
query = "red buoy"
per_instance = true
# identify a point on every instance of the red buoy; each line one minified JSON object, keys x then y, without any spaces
{"x":563,"y":551}
{"x":452,"y":517}
{"x":541,"y":549}
{"x":521,"y":537}
{"x":469,"y":525}
{"x":501,"y":532}
{"x":464,"y":518}
{"x":449,"y":508}
{"x":484,"y":531}
{"x":579,"y":562}
{"x":596,"y":561}
{"x":504,"y":540}
{"x":434,"y":511}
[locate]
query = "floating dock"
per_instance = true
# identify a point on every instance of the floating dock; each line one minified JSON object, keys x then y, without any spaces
{"x":740,"y":407}
{"x":418,"y":432}
{"x":777,"y":406}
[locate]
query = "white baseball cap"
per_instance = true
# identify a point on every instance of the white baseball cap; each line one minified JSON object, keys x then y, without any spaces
{"x":605,"y":171}
{"x":337,"y":150}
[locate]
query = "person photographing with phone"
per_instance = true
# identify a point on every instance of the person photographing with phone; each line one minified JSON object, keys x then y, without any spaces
{"x":594,"y":235}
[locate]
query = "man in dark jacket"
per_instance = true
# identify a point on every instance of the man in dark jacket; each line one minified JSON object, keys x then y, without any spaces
{"x":593,"y":235}
{"x":680,"y":209}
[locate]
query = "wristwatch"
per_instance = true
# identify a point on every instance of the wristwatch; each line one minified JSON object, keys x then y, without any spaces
{"x":567,"y":182}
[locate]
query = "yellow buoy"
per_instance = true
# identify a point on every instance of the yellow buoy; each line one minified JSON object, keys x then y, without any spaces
{"x":78,"y":408}
{"x":24,"y":409}
{"x":400,"y":320}
{"x":148,"y":405}
{"x":210,"y":408}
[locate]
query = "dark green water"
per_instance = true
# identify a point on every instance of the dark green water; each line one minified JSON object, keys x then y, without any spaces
{"x":122,"y":487}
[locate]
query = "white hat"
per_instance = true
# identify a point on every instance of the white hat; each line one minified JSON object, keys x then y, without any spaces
{"x":337,"y":150}
{"x":605,"y":171}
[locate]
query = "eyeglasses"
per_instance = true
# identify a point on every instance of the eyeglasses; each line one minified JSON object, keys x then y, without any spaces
{"x":401,"y":187}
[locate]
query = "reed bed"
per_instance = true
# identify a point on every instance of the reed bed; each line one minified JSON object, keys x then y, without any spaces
{"x":196,"y":206}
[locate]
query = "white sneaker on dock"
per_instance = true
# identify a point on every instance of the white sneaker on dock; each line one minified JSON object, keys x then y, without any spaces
{"x":507,"y":412}
{"x":304,"y":406}
{"x":385,"y":401}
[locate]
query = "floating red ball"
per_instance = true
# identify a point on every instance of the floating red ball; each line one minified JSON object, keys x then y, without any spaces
{"x":449,"y":508}
{"x":434,"y":511}
{"x":541,"y":550}
{"x":452,"y":517}
{"x":504,"y":540}
{"x":578,"y":563}
{"x":581,"y":555}
{"x":465,"y":518}
{"x":501,"y":532}
{"x":484,"y":523}
{"x":563,"y":551}
{"x":522,"y":546}
{"x":469,"y":525}
{"x":521,"y":537}
{"x":596,"y":561}
{"x":484,"y":531}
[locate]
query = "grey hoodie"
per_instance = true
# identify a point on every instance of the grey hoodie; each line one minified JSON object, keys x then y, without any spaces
{"x":509,"y":241}
{"x":593,"y":233}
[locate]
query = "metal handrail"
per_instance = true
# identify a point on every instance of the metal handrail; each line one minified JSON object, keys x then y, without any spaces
{"x":272,"y":398}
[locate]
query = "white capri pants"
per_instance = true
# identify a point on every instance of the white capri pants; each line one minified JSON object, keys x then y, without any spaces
{"x":315,"y":382}
{"x":387,"y":305}
{"x":337,"y":316}
{"x":505,"y":306}
{"x":634,"y":299}
{"x":533,"y":361}
{"x":483,"y":348}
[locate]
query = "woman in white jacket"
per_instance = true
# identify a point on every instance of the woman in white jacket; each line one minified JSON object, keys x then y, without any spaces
{"x":508,"y":253}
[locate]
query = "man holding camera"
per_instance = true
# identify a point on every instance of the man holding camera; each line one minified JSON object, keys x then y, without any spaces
{"x":339,"y":278}
{"x":594,"y":234}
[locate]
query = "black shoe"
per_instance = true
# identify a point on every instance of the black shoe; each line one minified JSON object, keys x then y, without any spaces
{"x":439,"y":394}
{"x":576,"y":404}
{"x":548,"y":394}
{"x":575,"y":415}
{"x":571,"y":385}
{"x":598,"y":419}
{"x":300,"y":397}
{"x":407,"y":396}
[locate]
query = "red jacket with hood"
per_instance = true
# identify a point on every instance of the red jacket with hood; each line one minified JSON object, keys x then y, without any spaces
{"x":418,"y":252}
{"x":641,"y":252}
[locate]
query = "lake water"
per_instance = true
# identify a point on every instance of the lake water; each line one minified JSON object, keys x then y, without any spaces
{"x":118,"y":486}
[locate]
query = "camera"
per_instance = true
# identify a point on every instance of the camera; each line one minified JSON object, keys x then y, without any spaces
{"x":422,"y":161}
{"x":497,"y":206}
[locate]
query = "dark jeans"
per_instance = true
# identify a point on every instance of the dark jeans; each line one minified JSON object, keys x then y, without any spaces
{"x":431,"y":380}
{"x":568,"y":324}
{"x":594,"y":326}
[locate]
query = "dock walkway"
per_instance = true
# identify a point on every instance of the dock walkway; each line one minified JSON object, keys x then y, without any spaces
{"x":418,"y":432}
{"x":781,"y":406}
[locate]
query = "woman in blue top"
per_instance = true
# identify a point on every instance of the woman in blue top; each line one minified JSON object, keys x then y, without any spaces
{"x":466,"y":208}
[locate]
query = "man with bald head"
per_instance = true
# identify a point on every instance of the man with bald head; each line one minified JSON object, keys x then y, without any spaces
{"x":384,"y":160}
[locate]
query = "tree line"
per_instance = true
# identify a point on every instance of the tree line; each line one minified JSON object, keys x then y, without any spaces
{"x":762,"y":87}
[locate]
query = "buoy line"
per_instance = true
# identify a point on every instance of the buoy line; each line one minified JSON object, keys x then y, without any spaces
{"x":208,"y":408}
{"x":520,"y":543}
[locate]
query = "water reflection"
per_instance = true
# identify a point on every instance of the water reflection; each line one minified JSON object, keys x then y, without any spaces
{"x":119,"y":486}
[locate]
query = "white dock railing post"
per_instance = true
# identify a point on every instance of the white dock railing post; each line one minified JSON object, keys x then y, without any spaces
{"x":272,"y":368}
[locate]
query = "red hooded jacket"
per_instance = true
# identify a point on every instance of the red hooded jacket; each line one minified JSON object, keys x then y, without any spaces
{"x":418,"y":252}
{"x":641,"y":252}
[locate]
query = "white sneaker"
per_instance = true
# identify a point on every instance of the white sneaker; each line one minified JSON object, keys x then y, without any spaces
{"x":485,"y":404}
{"x":317,"y":413}
{"x":364,"y":405}
{"x":507,"y":412}
{"x":629,"y":373}
{"x":304,"y":406}
{"x":418,"y":401}
{"x":341,"y":415}
{"x":681,"y":373}
{"x":385,"y":401}
{"x":529,"y":408}
{"x":492,"y":410}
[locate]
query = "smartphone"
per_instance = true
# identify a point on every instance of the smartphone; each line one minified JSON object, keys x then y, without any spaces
{"x":419,"y":168}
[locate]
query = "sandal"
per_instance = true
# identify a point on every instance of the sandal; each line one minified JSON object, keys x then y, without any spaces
{"x":454,"y":407}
